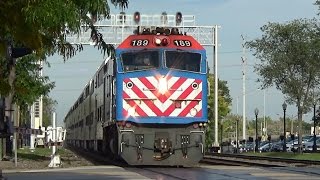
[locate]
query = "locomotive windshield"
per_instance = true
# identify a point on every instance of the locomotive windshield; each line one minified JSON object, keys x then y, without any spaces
{"x":140,"y":60}
{"x":182,"y":60}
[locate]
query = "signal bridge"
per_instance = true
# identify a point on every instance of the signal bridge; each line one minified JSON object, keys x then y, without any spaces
{"x":119,"y":26}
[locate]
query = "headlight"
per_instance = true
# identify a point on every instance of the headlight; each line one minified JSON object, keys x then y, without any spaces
{"x":193,"y":112}
{"x":163,"y":85}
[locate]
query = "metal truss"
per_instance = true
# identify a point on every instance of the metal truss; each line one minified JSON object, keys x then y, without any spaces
{"x":118,"y":27}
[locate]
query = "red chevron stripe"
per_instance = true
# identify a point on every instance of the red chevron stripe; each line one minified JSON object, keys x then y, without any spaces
{"x":162,"y":97}
{"x":171,"y":108}
{"x":125,"y":112}
{"x":187,"y":91}
{"x":191,"y":105}
{"x":172,"y":89}
{"x":125,"y":95}
{"x":150,"y":104}
{"x":133,"y":104}
{"x":199,"y":114}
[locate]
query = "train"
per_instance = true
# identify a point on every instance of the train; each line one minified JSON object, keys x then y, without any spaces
{"x":148,"y":103}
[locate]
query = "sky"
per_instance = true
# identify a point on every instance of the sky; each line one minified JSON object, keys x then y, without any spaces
{"x":236,"y":18}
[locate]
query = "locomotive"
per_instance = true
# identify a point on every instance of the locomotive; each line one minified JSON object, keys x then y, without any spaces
{"x":148,"y":104}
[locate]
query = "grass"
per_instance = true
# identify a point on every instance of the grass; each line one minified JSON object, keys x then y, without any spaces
{"x":38,"y":154}
{"x":304,"y":156}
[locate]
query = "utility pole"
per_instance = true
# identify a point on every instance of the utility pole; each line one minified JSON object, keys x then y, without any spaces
{"x":243,"y":58}
{"x":264,"y":113}
{"x":216,"y":143}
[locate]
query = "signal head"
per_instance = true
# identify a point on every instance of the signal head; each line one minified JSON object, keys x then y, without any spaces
{"x":178,"y":18}
{"x":136,"y":17}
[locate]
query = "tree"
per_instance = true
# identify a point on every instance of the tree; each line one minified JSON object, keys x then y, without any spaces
{"x":30,"y":85}
{"x":224,"y":102}
{"x":49,"y":106}
{"x":42,"y":26}
{"x":290,"y":57}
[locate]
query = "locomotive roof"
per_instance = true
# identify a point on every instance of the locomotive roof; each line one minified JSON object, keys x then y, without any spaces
{"x":150,"y":41}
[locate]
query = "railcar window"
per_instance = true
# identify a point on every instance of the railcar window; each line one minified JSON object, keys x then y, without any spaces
{"x":140,"y":60}
{"x":187,"y":61}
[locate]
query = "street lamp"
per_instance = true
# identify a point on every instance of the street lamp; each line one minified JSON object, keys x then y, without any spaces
{"x":284,"y":107}
{"x":237,"y":136}
{"x":314,"y":147}
{"x":256,"y":111}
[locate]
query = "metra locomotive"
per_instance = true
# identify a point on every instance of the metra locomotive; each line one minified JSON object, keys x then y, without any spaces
{"x":149,"y":104}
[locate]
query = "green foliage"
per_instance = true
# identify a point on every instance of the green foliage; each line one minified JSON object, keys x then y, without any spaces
{"x":29,"y":84}
{"x":4,"y":84}
{"x":48,"y":108}
{"x":43,"y":24}
{"x":290,"y":55}
{"x":224,"y":103}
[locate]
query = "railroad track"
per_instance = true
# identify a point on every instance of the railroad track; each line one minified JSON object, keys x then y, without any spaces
{"x":209,"y":159}
{"x":240,"y":159}
{"x":212,"y":159}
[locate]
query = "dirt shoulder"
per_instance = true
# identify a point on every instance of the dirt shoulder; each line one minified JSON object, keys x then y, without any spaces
{"x":40,"y":159}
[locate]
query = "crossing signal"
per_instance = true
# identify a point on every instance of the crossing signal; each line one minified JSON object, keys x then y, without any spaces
{"x":136,"y":17}
{"x":178,"y":18}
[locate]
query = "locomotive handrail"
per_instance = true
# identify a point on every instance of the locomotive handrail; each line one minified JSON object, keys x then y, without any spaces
{"x":196,"y":132}
{"x":147,"y":89}
{"x":139,"y":99}
{"x":126,"y":130}
{"x":185,"y":99}
{"x":202,"y":149}
{"x":176,"y":89}
{"x":121,"y":148}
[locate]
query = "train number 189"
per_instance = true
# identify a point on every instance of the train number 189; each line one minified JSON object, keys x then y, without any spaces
{"x":182,"y":43}
{"x":139,"y":42}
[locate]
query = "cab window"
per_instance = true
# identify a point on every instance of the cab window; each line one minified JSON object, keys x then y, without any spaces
{"x":141,"y":60}
{"x":182,"y":60}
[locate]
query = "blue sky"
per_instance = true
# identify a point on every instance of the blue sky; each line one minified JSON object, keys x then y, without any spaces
{"x":235,"y":17}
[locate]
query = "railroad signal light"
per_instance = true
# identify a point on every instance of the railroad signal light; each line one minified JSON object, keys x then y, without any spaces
{"x":164,"y":18}
{"x":178,"y":18}
{"x":136,"y":17}
{"x":122,"y":17}
{"x":164,"y":42}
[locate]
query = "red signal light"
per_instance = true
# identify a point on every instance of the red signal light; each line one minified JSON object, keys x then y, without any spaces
{"x":136,"y":17}
{"x":164,"y":42}
{"x":178,"y":18}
